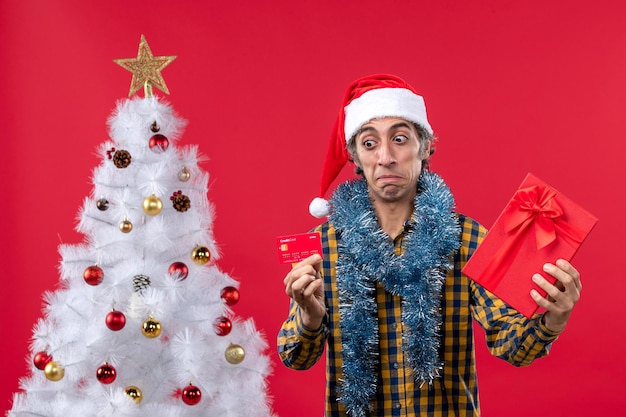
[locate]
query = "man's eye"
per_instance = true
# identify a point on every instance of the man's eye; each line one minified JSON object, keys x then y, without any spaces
{"x":368,"y":143}
{"x":400,"y":138}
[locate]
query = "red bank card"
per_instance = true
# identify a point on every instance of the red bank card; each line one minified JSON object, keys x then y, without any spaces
{"x":295,"y":248}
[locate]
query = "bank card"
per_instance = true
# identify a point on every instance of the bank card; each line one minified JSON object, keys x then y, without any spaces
{"x":294,"y":248}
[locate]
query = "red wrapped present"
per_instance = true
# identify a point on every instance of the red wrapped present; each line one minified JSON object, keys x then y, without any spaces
{"x":537,"y":226}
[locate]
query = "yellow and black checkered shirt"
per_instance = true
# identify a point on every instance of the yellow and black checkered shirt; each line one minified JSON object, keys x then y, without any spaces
{"x":509,"y":336}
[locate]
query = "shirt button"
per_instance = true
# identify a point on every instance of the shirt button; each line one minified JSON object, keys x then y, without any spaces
{"x":395,"y":365}
{"x":397,"y":406}
{"x":394,"y":325}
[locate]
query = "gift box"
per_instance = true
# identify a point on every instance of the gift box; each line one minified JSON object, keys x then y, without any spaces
{"x":538,"y":225}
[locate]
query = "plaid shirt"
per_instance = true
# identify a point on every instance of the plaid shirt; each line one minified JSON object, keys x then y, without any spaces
{"x":509,"y":336}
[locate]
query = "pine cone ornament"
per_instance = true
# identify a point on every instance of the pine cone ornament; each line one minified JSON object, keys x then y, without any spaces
{"x":121,"y":158}
{"x":180,"y":201}
{"x":140,"y":283}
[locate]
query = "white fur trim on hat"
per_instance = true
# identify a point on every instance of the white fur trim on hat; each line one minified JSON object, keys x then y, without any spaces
{"x":385,"y":102}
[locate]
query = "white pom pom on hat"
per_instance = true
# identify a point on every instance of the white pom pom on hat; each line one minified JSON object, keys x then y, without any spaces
{"x":371,"y":97}
{"x":319,"y":207}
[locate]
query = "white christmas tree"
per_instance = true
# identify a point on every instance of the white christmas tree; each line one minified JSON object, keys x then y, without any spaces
{"x":142,"y":324}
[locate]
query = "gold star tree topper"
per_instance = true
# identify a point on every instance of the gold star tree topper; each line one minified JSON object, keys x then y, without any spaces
{"x":146,"y":69}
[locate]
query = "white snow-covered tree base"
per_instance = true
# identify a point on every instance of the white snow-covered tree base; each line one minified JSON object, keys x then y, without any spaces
{"x":190,"y":348}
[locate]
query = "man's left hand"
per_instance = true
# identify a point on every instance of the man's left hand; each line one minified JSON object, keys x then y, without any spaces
{"x":561,"y":296}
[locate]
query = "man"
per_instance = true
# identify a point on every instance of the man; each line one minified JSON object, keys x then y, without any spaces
{"x":388,"y":297}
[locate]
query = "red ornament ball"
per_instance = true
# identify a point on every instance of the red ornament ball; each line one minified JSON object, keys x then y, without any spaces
{"x":106,"y":374}
{"x":41,"y":359}
{"x":179,"y":270}
{"x":191,"y":395}
{"x":115,"y":320}
{"x":93,"y":275}
{"x":230,"y":295}
{"x":158,"y":143}
{"x":223,"y":326}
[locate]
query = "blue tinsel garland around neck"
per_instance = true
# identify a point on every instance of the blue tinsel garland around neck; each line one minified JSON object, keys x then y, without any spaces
{"x":367,"y":255}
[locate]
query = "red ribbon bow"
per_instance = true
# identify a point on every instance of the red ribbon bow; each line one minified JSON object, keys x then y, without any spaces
{"x":534,"y":207}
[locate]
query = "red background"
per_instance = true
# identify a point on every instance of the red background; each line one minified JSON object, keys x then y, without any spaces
{"x":511,"y":87}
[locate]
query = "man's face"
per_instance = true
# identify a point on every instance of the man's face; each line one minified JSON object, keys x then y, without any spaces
{"x":388,"y":152}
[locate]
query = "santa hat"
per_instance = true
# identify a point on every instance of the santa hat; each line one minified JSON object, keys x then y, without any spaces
{"x":367,"y":98}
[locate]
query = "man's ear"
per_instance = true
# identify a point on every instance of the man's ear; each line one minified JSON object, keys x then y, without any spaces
{"x":353,"y":159}
{"x":425,"y":151}
{"x":358,"y":170}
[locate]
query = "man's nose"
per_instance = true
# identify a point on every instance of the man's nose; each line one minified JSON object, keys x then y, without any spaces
{"x":385,"y":155}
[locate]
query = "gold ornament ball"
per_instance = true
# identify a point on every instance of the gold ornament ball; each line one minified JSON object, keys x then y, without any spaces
{"x":151,"y":328}
{"x":184,"y":174}
{"x":134,"y":393}
{"x":234,"y":354}
{"x":152,"y":205}
{"x":54,"y":371}
{"x":201,"y":255}
{"x":126,"y":226}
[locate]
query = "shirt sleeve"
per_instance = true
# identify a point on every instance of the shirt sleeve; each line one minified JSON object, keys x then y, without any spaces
{"x":509,"y":335}
{"x":300,"y":347}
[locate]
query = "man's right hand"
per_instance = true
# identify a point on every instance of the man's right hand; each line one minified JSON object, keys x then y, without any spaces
{"x":305,"y":286}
